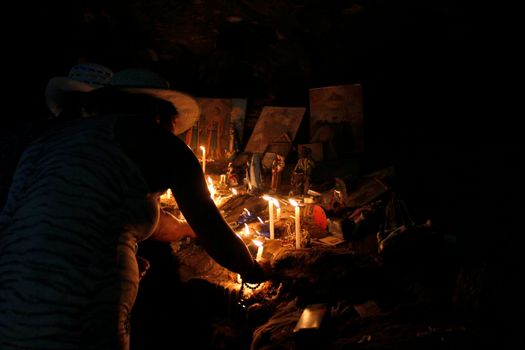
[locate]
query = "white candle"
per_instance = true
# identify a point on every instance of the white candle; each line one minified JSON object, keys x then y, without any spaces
{"x":203,"y":159}
{"x":278,"y":206}
{"x":270,"y":209}
{"x":259,"y":245}
{"x":297,"y":224}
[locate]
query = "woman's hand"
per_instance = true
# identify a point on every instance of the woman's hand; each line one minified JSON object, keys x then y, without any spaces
{"x":261,"y":271}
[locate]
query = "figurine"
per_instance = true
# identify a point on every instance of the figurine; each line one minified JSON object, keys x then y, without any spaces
{"x":233,"y":144}
{"x":302,"y":172}
{"x":277,"y":168}
{"x":231,"y":176}
{"x":255,"y":177}
{"x":339,"y":194}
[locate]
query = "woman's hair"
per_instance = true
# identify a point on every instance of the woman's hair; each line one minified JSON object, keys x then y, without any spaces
{"x":109,"y":100}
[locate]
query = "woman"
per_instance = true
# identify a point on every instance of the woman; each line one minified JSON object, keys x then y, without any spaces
{"x":84,"y":194}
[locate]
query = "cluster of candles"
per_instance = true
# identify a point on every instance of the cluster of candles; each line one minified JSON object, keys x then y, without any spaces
{"x":274,"y":214}
{"x":274,"y":207}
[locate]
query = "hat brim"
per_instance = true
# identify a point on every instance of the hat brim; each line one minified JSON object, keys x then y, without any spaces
{"x":187,"y":107}
{"x":56,"y":89}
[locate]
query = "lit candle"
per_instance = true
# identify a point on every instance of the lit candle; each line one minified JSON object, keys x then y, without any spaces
{"x":259,"y":245}
{"x":203,"y":159}
{"x":246,"y":230}
{"x":278,"y":206}
{"x":234,"y":191}
{"x":166,"y":197}
{"x":270,"y":209}
{"x":223,"y":180}
{"x":297,"y":224}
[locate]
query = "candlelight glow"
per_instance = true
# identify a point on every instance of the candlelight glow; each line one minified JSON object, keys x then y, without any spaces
{"x":203,"y":159}
{"x":166,"y":195}
{"x":211,"y":188}
{"x":234,"y":191}
{"x":297,"y":223}
{"x":260,"y":247}
{"x":246,"y":230}
{"x":278,"y":206}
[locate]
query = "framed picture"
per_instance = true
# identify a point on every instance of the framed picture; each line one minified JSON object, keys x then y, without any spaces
{"x":219,"y":129}
{"x":275,"y":125}
{"x":336,"y":119}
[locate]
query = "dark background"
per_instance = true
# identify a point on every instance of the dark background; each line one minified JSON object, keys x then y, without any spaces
{"x":426,"y":68}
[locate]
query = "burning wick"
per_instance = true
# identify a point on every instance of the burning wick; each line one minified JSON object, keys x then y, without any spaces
{"x":166,"y":196}
{"x":270,"y":209}
{"x":259,"y":245}
{"x":203,"y":159}
{"x":297,"y":224}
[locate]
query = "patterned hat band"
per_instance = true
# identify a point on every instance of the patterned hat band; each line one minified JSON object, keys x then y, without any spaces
{"x":91,"y":73}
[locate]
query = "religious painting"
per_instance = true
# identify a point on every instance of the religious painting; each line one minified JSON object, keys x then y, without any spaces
{"x":276,"y":125}
{"x":336,"y":120}
{"x":219,"y":129}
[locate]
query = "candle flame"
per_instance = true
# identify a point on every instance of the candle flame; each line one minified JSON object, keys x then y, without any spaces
{"x":293,"y":202}
{"x":203,"y":149}
{"x":267,"y":198}
{"x":257,"y":242}
{"x":234,"y":191}
{"x":166,"y":195}
{"x":276,"y":202}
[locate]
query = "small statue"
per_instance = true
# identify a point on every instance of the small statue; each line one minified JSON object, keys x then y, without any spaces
{"x":233,"y":144}
{"x":277,"y":168}
{"x":339,"y":194}
{"x":255,"y":175}
{"x":231,"y":176}
{"x":253,"y":178}
{"x":302,"y":172}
